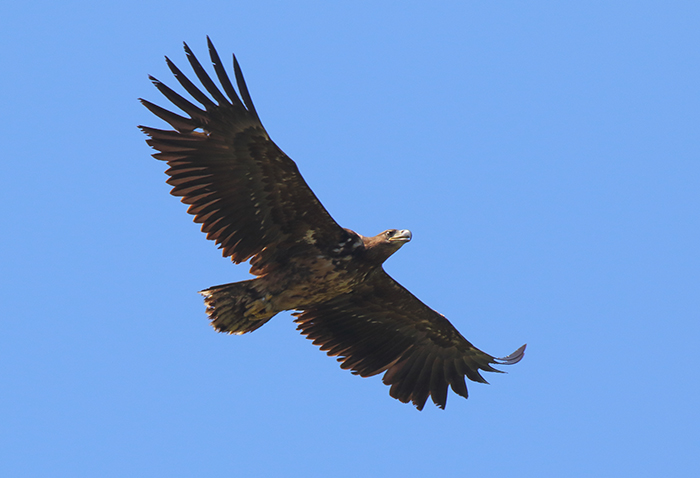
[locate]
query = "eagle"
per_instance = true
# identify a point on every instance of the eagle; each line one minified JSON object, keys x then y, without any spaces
{"x":251,"y":199}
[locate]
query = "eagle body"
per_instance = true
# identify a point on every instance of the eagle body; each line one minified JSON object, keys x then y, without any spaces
{"x":252,"y":201}
{"x":311,"y":275}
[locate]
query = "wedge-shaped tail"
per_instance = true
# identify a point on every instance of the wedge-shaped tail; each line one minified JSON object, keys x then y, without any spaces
{"x":237,"y":308}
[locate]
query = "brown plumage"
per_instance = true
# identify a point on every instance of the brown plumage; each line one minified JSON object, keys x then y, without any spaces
{"x":252,"y":201}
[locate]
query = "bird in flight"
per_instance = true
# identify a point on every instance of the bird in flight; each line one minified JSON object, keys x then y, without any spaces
{"x":252,"y":201}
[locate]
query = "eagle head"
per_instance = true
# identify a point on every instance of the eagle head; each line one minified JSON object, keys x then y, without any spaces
{"x":396,"y":237}
{"x":384,"y":244}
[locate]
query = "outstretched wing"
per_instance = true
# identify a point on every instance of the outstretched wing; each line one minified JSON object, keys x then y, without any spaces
{"x":381,"y":327}
{"x":248,"y":195}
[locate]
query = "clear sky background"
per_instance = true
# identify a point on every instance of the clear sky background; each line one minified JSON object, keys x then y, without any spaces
{"x":545,"y":155}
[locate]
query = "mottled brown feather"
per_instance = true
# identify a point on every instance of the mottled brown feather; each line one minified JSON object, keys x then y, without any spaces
{"x":381,"y":326}
{"x":247,"y":194}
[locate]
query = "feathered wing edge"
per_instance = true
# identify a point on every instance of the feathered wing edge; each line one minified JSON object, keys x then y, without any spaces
{"x":384,"y":328}
{"x":204,"y":169}
{"x":247,"y":194}
{"x":198,"y":117}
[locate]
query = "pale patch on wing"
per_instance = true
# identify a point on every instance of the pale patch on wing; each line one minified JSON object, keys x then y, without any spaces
{"x":357,"y":243}
{"x":309,"y":237}
{"x":343,"y":246}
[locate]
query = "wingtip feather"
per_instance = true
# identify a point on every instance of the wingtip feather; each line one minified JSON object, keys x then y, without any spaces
{"x":513,"y":358}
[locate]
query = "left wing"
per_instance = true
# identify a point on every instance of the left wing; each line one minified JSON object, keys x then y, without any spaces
{"x":381,"y":327}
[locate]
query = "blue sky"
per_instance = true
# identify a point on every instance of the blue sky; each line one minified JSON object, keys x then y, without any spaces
{"x":544,"y":154}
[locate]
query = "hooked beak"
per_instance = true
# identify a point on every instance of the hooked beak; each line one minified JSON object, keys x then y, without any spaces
{"x":403,"y":235}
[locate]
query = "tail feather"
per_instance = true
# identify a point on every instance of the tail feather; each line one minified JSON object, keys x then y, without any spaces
{"x":237,"y":308}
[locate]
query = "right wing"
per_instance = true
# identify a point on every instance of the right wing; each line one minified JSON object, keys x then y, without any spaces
{"x":248,"y":195}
